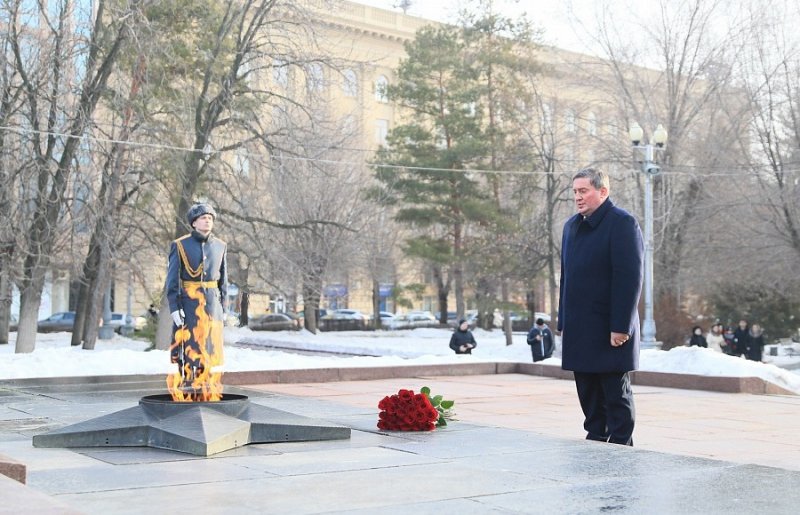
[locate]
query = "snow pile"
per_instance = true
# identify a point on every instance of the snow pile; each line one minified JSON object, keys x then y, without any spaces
{"x":248,"y":350}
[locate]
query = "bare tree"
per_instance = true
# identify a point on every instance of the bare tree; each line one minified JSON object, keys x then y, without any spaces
{"x":224,"y":109}
{"x":58,"y":119}
{"x":691,"y":55}
{"x":10,"y":104}
{"x":771,"y":67}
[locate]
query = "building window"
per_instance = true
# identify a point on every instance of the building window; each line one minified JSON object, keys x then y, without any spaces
{"x":280,"y":73}
{"x":547,"y":118}
{"x":591,"y":124}
{"x":245,"y":71}
{"x":381,"y":131}
{"x":350,"y":125}
{"x":381,"y":86}
{"x":569,"y":121}
{"x":349,"y":83}
{"x":242,"y":165}
{"x":314,"y":78}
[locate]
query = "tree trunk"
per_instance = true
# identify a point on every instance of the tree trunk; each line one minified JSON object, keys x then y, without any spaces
{"x":244,"y":309}
{"x":552,"y":254}
{"x":442,"y":292}
{"x":458,"y":268}
{"x":94,"y":313}
{"x":30,"y":300}
{"x":506,"y":313}
{"x":87,"y":285}
{"x":376,"y":303}
{"x":5,"y":295}
{"x":311,"y":305}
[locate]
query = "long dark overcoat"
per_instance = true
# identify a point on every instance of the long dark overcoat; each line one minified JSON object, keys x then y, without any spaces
{"x":601,"y":280}
{"x":207,"y":258}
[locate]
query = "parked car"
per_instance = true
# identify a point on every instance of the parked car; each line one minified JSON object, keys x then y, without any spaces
{"x":57,"y":322}
{"x":386,"y":318}
{"x":452,"y":318}
{"x":117,"y":321}
{"x":410,"y":320}
{"x":346,"y":314}
{"x":543,"y":316}
{"x":13,"y":323}
{"x":275,"y":322}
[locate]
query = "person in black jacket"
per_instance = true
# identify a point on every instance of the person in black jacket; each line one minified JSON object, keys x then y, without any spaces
{"x":540,"y":338}
{"x":462,"y":341}
{"x":741,"y":338}
{"x":697,"y":339}
{"x":755,"y":343}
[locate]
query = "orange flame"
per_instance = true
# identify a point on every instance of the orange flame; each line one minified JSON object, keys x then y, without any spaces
{"x":198,"y":383}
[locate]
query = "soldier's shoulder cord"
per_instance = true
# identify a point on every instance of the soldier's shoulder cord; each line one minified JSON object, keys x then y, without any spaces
{"x":193,"y":272}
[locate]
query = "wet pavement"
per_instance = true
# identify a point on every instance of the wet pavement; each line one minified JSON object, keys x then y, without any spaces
{"x":516,"y":447}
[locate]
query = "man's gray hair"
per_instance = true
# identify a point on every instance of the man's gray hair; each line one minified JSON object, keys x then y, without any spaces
{"x":596,"y":178}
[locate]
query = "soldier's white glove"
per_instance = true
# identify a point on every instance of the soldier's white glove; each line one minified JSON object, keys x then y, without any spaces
{"x":178,"y":317}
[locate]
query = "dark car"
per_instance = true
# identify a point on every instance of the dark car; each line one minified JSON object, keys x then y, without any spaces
{"x":275,"y":322}
{"x":57,"y":322}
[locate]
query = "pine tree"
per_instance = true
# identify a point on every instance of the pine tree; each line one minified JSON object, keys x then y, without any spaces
{"x":424,"y":169}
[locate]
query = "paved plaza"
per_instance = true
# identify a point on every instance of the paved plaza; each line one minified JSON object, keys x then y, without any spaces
{"x":516,"y":447}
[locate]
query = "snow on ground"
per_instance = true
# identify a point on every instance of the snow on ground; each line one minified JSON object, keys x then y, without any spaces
{"x":257,"y":350}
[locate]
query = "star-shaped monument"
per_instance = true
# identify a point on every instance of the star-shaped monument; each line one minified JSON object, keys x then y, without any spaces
{"x":199,"y":428}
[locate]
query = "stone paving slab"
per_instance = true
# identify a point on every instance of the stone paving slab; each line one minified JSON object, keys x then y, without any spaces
{"x":466,"y":468}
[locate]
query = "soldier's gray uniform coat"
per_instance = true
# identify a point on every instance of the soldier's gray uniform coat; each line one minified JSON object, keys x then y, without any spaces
{"x":211,"y":253}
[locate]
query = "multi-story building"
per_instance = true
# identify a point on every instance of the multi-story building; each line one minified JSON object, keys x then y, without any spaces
{"x":368,"y":44}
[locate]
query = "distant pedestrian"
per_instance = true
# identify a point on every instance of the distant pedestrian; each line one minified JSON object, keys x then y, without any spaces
{"x":152,"y":312}
{"x":741,"y":338}
{"x":462,"y":341}
{"x":728,"y":344}
{"x":540,"y":338}
{"x":697,"y":339}
{"x":755,"y":343}
{"x":714,"y":337}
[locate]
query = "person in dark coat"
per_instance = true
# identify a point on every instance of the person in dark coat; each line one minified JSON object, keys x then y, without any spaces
{"x":697,"y":339}
{"x":540,"y":338}
{"x":728,"y":344}
{"x":755,"y":343}
{"x":462,"y":341}
{"x":601,"y":280}
{"x":741,"y":338}
{"x":196,"y":288}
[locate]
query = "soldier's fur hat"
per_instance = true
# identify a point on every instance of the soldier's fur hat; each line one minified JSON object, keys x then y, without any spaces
{"x":198,"y":210}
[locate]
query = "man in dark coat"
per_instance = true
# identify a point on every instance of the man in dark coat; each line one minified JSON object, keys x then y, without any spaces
{"x":540,"y":338}
{"x":462,"y":341}
{"x":196,"y":289}
{"x":741,"y":338}
{"x":601,"y":280}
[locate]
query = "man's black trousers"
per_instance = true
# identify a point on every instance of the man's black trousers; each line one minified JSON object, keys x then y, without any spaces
{"x":607,"y":403}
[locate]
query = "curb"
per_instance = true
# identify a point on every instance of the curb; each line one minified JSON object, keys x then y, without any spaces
{"x":724,"y":384}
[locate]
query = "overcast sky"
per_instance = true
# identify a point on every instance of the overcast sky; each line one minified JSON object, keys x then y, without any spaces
{"x":551,"y":16}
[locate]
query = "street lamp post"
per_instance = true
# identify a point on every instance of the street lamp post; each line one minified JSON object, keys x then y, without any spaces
{"x":650,"y":168}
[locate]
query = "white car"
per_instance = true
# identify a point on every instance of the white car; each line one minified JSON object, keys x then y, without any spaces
{"x":346,"y":314}
{"x":409,"y":320}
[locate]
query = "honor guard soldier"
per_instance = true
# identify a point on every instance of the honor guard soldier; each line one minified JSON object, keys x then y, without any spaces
{"x":196,"y":288}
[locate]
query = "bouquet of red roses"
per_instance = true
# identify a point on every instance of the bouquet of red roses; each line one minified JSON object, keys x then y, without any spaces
{"x":407,"y":411}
